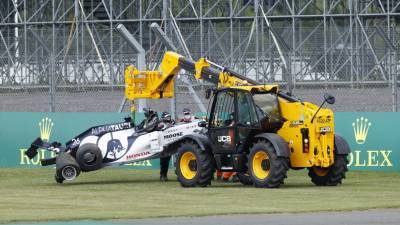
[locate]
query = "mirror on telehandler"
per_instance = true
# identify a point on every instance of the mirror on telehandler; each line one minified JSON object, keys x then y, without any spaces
{"x":330,"y":99}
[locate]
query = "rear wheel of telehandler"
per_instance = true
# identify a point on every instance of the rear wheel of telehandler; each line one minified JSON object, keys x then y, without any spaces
{"x":332,"y":175}
{"x":194,"y":167}
{"x":266,"y":169}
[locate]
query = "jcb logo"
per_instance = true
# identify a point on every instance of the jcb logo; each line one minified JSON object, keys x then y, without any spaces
{"x":224,"y":139}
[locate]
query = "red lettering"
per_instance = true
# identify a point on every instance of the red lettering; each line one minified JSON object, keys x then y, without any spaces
{"x":137,"y":155}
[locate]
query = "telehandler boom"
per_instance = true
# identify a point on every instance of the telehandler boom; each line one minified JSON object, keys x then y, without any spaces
{"x":253,"y":129}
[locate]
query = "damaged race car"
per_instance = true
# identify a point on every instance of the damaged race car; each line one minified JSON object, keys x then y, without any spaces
{"x":117,"y":144}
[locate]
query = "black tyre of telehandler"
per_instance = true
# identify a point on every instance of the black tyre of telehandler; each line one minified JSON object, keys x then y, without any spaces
{"x":244,"y":178}
{"x":331,"y":176}
{"x":266,"y":169}
{"x":194,"y":167}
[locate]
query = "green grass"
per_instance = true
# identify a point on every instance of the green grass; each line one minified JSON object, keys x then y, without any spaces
{"x":33,"y":195}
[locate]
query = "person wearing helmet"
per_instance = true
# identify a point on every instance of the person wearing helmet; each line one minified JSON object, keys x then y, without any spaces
{"x":165,"y":122}
{"x":150,"y":123}
{"x":187,"y":116}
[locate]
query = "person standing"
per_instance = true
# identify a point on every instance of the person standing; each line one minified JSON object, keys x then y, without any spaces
{"x":164,"y":161}
{"x":187,"y":116}
{"x":166,"y":121}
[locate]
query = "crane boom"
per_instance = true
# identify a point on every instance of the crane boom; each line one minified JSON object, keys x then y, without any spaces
{"x":160,"y":83}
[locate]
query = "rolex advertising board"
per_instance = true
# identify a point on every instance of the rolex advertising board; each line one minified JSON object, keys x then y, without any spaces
{"x":371,"y":136}
{"x":20,"y":129}
{"x":373,"y":139}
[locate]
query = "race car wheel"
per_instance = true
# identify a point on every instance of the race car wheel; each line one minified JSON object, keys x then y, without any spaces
{"x":58,"y":178}
{"x":69,"y":172}
{"x":194,"y":167}
{"x":89,"y":157}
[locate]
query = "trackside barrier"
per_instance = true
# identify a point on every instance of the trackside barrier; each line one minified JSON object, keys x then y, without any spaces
{"x":373,"y":137}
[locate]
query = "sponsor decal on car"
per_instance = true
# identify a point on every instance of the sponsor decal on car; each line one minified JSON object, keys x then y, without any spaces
{"x":137,"y":155}
{"x":110,"y":128}
{"x":174,"y":135}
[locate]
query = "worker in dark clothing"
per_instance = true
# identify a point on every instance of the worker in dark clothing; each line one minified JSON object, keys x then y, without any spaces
{"x":166,"y":121}
{"x":164,"y":164}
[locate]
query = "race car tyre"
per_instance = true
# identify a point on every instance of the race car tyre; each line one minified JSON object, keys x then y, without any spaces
{"x":194,"y":167}
{"x":58,"y":179}
{"x":69,"y":172}
{"x":89,"y":157}
{"x":332,"y":175}
{"x":66,"y":167}
{"x":266,"y":169}
{"x":244,"y":178}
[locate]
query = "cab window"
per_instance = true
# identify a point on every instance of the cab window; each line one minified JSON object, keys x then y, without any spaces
{"x":246,"y":111}
{"x":267,"y":106}
{"x":224,"y":109}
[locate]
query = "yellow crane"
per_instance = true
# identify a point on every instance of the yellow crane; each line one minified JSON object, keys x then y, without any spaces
{"x":253,"y":129}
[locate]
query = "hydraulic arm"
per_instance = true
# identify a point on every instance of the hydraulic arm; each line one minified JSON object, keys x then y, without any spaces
{"x":160,"y":84}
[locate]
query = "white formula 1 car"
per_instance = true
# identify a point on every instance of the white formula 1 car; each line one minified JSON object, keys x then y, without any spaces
{"x":117,"y":144}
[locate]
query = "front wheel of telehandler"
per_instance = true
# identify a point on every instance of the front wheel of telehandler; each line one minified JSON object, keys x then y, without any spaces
{"x":332,"y":175}
{"x":194,"y":167}
{"x":266,"y":169}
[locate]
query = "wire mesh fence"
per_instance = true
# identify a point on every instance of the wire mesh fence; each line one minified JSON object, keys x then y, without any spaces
{"x":79,"y":71}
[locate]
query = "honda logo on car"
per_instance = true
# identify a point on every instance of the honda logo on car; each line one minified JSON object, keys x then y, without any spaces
{"x":137,"y":155}
{"x":224,"y":139}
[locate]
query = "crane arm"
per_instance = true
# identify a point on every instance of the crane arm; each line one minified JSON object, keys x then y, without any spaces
{"x":160,"y":84}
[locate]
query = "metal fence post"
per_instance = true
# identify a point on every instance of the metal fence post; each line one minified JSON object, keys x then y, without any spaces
{"x":394,"y":71}
{"x":52,"y":83}
{"x":140,"y":60}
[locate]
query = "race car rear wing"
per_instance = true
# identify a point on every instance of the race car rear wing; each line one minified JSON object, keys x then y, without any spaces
{"x":40,"y":144}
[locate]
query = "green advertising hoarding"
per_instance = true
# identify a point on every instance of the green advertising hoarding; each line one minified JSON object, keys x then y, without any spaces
{"x":371,"y":136}
{"x":21,"y":128}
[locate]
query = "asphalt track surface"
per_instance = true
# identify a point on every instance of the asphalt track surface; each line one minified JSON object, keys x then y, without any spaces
{"x":367,"y":217}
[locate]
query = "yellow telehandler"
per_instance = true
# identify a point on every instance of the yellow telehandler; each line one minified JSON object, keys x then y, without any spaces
{"x":253,"y":129}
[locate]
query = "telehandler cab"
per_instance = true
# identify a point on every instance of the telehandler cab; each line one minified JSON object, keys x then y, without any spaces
{"x":253,"y":129}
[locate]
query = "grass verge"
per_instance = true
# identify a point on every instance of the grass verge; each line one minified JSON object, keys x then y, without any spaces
{"x":33,"y":195}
